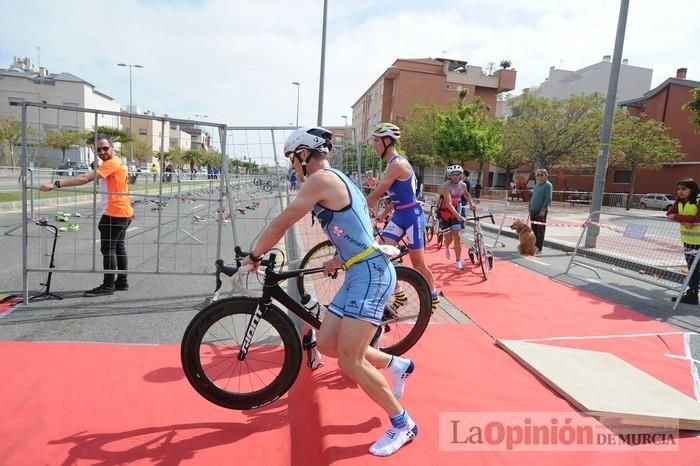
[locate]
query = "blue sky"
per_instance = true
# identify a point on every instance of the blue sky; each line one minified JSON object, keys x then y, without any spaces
{"x":235,"y":61}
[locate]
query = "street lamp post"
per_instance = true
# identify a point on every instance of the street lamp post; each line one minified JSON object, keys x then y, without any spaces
{"x":323,"y":65}
{"x":131,"y":109}
{"x":298,"y":88}
{"x":201,"y":132}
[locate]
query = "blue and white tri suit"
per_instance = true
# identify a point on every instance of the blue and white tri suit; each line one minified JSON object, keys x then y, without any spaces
{"x":370,"y":282}
{"x":408,"y":217}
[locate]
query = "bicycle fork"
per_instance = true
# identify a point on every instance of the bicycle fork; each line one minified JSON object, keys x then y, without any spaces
{"x":250,"y":331}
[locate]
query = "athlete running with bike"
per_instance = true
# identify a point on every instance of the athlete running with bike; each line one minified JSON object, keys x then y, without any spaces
{"x":407,"y":218}
{"x":451,"y":194}
{"x":356,"y":311}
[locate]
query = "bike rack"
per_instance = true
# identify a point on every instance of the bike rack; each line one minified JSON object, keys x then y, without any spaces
{"x":46,"y":294}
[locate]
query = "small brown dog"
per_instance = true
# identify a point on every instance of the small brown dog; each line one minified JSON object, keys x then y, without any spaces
{"x":526,"y":236}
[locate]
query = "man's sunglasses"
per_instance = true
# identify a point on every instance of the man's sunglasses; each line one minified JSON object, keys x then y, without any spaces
{"x":102,"y":149}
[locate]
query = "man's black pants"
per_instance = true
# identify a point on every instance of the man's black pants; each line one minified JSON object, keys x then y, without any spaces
{"x":113,"y":246}
{"x":538,"y":230}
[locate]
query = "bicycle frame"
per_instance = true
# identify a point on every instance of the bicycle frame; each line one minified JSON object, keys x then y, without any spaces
{"x":272,"y":290}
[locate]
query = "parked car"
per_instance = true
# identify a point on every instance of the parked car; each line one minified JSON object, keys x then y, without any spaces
{"x":656,"y":201}
{"x":71,"y":168}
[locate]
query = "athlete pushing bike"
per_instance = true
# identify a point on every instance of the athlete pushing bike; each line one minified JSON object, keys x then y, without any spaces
{"x":356,"y":311}
{"x":407,"y":218}
{"x":449,"y":211}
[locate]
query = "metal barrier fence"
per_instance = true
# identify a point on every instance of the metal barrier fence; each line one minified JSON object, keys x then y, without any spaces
{"x":185,"y":217}
{"x":644,"y":248}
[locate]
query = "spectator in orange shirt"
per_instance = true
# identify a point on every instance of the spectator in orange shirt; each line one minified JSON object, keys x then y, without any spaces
{"x":116,"y":217}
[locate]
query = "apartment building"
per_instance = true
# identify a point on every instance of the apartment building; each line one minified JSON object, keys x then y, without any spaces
{"x":426,"y":80}
{"x":24,"y":81}
{"x":560,"y":84}
{"x":438,"y":81}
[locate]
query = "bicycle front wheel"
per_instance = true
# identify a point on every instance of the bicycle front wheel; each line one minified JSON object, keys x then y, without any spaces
{"x":211,"y":345}
{"x":429,"y":232}
{"x":322,"y":287}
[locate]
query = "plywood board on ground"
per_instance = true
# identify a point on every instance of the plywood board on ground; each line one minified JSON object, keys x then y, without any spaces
{"x":606,"y":386}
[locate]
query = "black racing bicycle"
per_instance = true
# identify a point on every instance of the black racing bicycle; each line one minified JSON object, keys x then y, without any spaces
{"x":244,"y":352}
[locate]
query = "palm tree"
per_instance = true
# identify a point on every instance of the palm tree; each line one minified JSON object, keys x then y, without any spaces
{"x":193,"y":157}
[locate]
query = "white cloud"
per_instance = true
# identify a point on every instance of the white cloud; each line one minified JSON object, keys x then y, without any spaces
{"x":235,"y":61}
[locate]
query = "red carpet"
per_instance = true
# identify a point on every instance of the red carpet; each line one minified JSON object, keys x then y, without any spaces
{"x":80,"y":404}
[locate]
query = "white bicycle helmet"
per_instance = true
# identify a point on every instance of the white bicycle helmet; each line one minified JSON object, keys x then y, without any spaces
{"x":454,"y":168}
{"x":386,"y":130}
{"x":314,"y":138}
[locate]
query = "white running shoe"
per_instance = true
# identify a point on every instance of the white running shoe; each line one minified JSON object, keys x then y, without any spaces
{"x":447,"y":253}
{"x":394,"y":439}
{"x":459,"y":266}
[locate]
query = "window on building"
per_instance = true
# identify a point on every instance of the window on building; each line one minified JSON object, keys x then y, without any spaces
{"x":381,"y":89}
{"x":622,"y":176}
{"x":15,"y":100}
{"x":143,"y":131}
{"x":173,"y":142}
{"x":448,"y":87}
{"x":339,"y":139}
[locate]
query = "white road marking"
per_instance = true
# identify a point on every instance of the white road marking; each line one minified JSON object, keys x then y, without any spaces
{"x":602,"y":337}
{"x":132,"y":229}
{"x":530,"y":258}
{"x":678,"y":356}
{"x":599,"y":282}
{"x":693,"y":368}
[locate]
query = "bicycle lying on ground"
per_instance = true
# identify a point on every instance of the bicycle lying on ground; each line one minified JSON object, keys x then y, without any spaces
{"x":244,"y":352}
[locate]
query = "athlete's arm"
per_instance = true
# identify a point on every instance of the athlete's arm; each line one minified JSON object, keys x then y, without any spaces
{"x":311,"y":192}
{"x":447,"y":200}
{"x":465,"y":193}
{"x":394,"y":172}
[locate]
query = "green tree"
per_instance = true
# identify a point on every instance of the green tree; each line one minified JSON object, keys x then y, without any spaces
{"x":505,"y":64}
{"x":10,"y":136}
{"x":467,"y":133}
{"x":115,"y":134}
{"x":641,"y":144}
{"x":417,"y":131}
{"x":142,"y":151}
{"x":559,"y":132}
{"x":64,"y":139}
{"x":193,"y":157}
{"x":511,"y":156}
{"x":694,"y":107}
{"x":174,"y":155}
{"x":212,"y":159}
